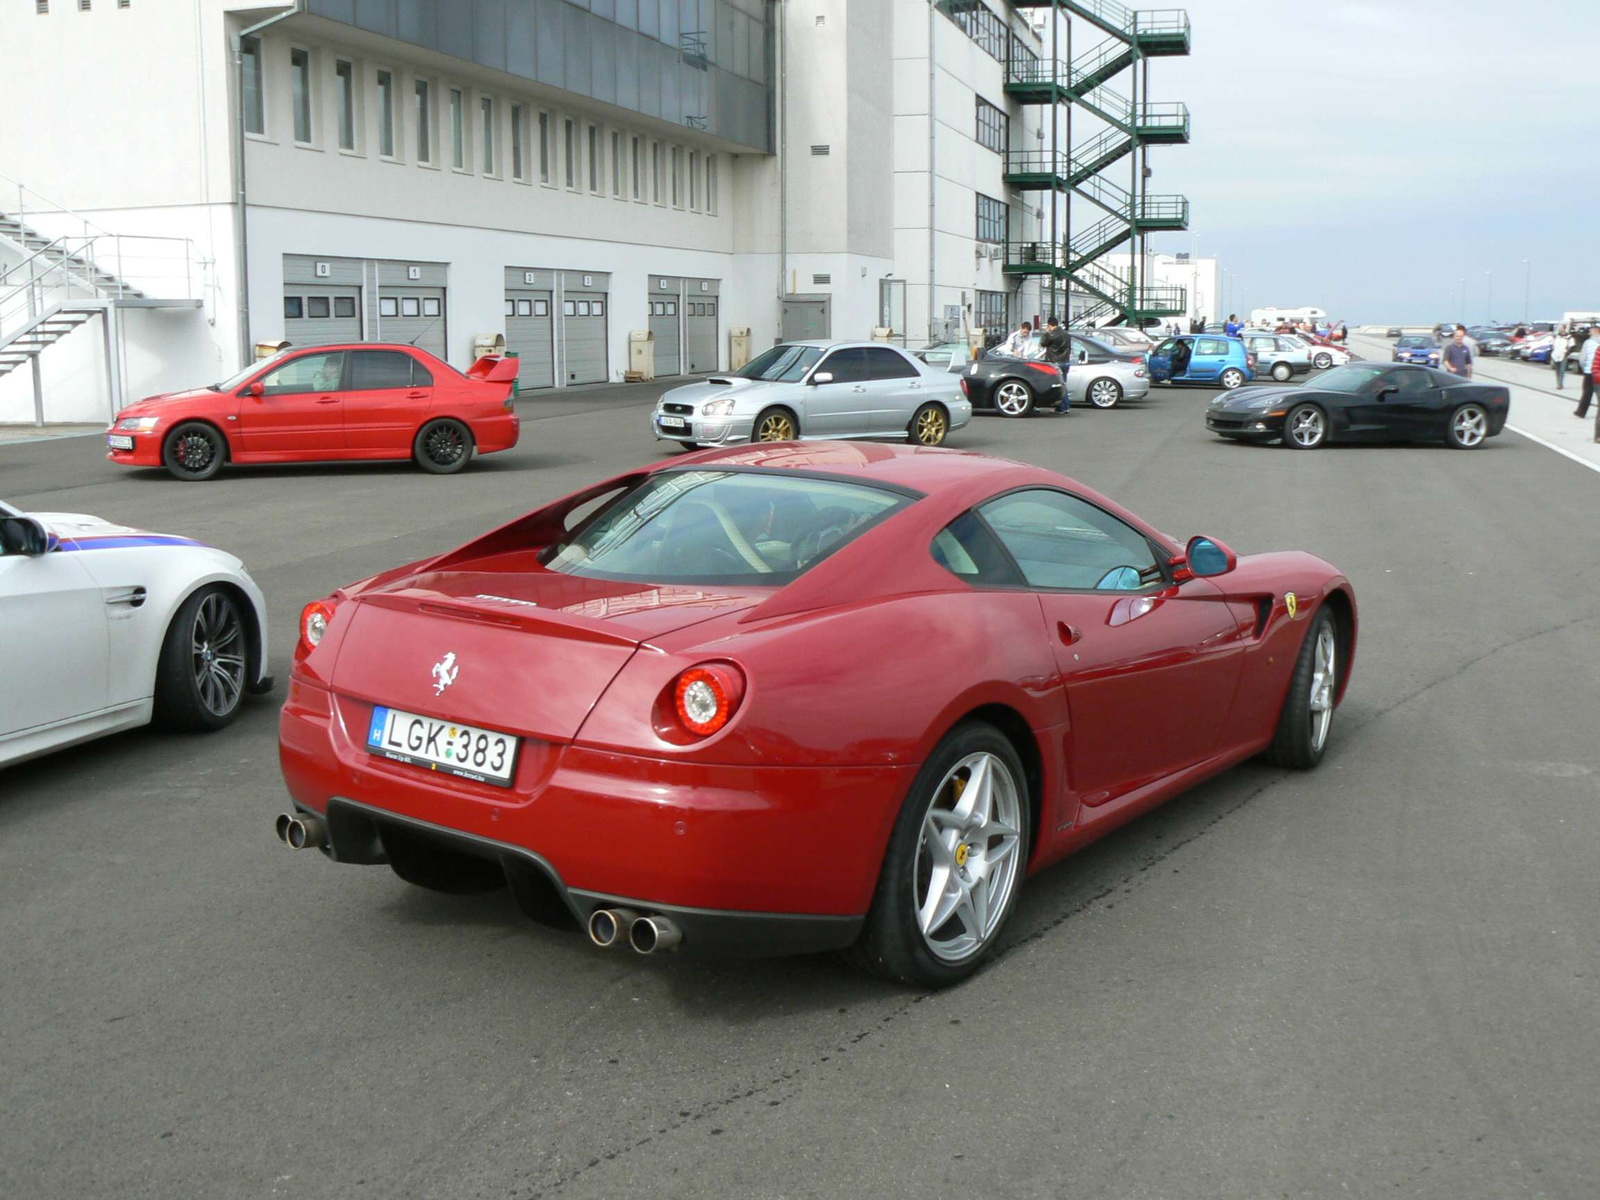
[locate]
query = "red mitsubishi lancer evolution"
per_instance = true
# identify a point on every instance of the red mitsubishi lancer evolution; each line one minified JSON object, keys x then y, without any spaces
{"x":789,"y":698}
{"x":324,"y":403}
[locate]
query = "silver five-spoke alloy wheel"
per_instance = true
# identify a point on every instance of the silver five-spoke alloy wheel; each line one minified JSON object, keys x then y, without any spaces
{"x":1470,"y":426}
{"x":1013,"y":398}
{"x":1307,"y":426}
{"x":1324,"y":674}
{"x":968,"y":859}
{"x":218,"y":654}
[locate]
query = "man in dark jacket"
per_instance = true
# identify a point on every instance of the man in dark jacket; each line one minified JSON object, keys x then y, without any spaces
{"x":1057,"y":347}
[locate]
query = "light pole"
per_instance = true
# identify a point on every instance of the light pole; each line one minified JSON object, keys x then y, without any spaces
{"x":1527,"y":285}
{"x":1488,"y":304}
{"x":1461,"y":304}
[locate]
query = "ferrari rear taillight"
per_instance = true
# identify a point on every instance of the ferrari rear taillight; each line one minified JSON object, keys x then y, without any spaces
{"x":706,"y":696}
{"x":314,"y":620}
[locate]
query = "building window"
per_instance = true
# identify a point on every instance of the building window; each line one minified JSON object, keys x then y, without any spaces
{"x":345,"y":73}
{"x":424,"y":122}
{"x":990,"y":312}
{"x":711,"y":184}
{"x":294,"y":308}
{"x":1021,"y":54}
{"x":544,"y":147}
{"x":993,"y":125}
{"x":254,"y":110}
{"x":385,"y":114}
{"x":992,"y":215}
{"x":486,"y":124}
{"x":300,"y":72}
{"x":458,"y":131}
{"x":572,"y":154}
{"x":638,"y":168}
{"x":519,"y":133}
{"x":618,"y":167}
{"x":694,"y":180}
{"x":677,"y":177}
{"x":981,"y":25}
{"x":655,"y":172}
{"x":594,"y":158}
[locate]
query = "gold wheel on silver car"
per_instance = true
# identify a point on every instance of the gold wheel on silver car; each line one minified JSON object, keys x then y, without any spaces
{"x":929,"y":426}
{"x":775,"y":426}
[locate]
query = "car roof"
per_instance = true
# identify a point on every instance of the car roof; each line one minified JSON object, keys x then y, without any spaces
{"x":923,"y":468}
{"x":826,"y":344}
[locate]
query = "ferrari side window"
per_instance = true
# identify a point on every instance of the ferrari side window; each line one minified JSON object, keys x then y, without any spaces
{"x":967,"y":549}
{"x":1060,"y":541}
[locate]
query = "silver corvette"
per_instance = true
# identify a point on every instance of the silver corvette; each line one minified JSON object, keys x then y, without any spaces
{"x":802,"y":391}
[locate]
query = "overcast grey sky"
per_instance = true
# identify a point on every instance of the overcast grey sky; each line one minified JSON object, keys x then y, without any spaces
{"x":1365,"y":156}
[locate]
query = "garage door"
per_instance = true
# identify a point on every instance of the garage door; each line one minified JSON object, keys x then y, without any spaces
{"x":583,"y":327}
{"x":700,"y":326}
{"x":531,"y":324}
{"x":318,"y":315}
{"x":664,"y":293}
{"x":411,"y":305}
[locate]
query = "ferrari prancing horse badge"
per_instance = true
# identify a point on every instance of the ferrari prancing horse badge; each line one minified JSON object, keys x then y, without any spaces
{"x":1292,"y":603}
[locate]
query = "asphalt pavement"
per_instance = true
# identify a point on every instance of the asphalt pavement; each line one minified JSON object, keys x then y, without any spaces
{"x":1375,"y":978}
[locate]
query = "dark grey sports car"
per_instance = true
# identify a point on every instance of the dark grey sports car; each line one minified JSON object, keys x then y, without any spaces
{"x":1365,"y":402}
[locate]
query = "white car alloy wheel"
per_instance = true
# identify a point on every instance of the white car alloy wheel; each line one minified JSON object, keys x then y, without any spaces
{"x":1305,"y":428}
{"x":1232,"y":378}
{"x":1013,"y":398}
{"x":1469,"y":426}
{"x":970,"y":858}
{"x":1283,"y":372}
{"x":1105,"y":393}
{"x":1323,"y":361}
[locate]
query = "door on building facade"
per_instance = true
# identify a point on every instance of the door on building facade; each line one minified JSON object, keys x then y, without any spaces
{"x":583,"y":329}
{"x":321,"y":315}
{"x":700,"y":333}
{"x":412,"y":314}
{"x":805,"y":320}
{"x":530,"y":326}
{"x":664,"y":318}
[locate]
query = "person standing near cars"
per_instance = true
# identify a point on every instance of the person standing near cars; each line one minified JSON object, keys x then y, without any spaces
{"x":1232,"y":327}
{"x":1458,"y":356}
{"x":1057,"y":348}
{"x":1019,"y":344}
{"x":1586,"y":359}
{"x":1560,"y":347}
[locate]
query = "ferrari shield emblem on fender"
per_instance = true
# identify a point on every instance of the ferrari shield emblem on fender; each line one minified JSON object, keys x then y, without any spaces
{"x":1292,"y":603}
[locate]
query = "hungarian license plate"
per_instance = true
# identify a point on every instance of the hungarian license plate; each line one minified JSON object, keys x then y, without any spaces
{"x":673,"y":423}
{"x":448,"y":746}
{"x":118,"y":442}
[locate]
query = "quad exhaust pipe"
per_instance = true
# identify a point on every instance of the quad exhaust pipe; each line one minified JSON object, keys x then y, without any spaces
{"x":645,"y":932}
{"x":299,"y":831}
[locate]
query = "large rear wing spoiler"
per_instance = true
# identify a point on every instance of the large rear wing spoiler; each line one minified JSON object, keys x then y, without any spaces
{"x":492,"y":368}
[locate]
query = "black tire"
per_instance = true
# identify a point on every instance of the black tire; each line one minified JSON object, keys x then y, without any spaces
{"x":775,"y":425}
{"x":1104,"y":393}
{"x":204,"y":668}
{"x":1282,"y":372}
{"x":1231,"y":379}
{"x":443,"y":446}
{"x":1322,"y":362}
{"x":1294,"y":745}
{"x":1468,"y":428}
{"x":194,"y":451}
{"x":929,"y":425}
{"x":1316,"y":435}
{"x":892,"y":943}
{"x":1015,"y":393}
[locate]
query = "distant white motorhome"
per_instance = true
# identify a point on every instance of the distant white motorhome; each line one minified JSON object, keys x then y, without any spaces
{"x":1591,"y":318}
{"x":1272,"y":316}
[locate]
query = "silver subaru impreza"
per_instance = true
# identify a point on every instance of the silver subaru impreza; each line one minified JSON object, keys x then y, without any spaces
{"x":801,"y":391}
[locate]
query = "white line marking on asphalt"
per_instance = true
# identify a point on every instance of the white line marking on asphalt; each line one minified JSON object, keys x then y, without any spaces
{"x":1577,"y":458}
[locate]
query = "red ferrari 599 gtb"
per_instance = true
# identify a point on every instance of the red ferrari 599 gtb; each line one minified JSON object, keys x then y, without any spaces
{"x":788,"y":698}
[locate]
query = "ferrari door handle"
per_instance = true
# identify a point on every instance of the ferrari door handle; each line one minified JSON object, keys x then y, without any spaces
{"x":1069,"y":634}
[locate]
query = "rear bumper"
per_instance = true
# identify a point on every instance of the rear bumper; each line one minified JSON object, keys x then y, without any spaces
{"x":497,"y":433}
{"x":659,"y":834}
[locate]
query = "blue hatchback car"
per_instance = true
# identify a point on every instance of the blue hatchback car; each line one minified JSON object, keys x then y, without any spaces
{"x":1203,"y":358}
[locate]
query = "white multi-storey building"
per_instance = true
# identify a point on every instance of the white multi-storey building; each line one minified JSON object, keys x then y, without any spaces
{"x":193,"y":180}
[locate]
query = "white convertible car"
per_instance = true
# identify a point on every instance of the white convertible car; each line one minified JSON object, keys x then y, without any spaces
{"x":104,"y":628}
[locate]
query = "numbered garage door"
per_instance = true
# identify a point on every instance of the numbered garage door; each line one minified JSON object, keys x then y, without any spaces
{"x":700,"y":327}
{"x":531,"y":325}
{"x":583,"y":327}
{"x":318,"y":315}
{"x":664,"y":293}
{"x":411,"y":305}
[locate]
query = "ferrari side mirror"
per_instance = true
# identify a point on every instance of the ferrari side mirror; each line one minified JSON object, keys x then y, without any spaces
{"x":1206,"y":557}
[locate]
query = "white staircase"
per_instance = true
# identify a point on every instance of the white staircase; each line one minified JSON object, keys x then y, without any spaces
{"x":51,"y":285}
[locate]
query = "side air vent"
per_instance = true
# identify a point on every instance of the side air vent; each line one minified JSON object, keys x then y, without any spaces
{"x":821,"y":151}
{"x":818,"y":280}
